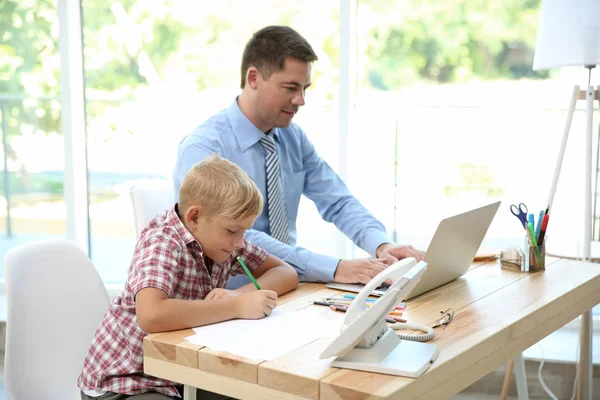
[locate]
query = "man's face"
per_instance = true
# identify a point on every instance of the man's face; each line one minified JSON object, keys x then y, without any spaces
{"x":280,"y":97}
{"x":220,"y":236}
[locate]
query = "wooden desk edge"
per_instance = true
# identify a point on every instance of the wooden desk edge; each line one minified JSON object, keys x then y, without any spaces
{"x":468,"y":371}
{"x":212,"y":382}
{"x":173,"y":348}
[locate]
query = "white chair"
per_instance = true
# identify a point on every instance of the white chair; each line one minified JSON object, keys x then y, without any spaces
{"x":149,"y":200}
{"x":55,"y":300}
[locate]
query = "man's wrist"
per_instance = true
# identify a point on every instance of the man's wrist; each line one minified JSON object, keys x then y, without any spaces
{"x":336,"y":268}
{"x":381,"y":248}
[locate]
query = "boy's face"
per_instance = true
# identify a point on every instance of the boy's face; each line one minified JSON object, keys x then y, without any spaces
{"x":219,"y":236}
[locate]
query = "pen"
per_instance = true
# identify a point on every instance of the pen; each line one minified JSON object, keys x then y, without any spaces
{"x":351,"y":296}
{"x":400,"y":306}
{"x":329,"y":303}
{"x":339,"y":308}
{"x":347,"y":303}
{"x":543,"y":229}
{"x":335,"y":303}
{"x":539,"y":225}
{"x":389,"y":319}
{"x":248,"y":273}
{"x":530,"y":219}
{"x":340,"y":301}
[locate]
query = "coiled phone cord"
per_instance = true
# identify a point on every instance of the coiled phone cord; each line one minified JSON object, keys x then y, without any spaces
{"x":409,"y":326}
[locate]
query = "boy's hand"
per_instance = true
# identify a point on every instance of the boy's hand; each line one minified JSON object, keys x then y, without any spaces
{"x":220,"y":294}
{"x":256,"y":304}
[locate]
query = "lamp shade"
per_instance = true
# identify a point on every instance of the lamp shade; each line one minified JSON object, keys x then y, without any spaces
{"x":568,"y":35}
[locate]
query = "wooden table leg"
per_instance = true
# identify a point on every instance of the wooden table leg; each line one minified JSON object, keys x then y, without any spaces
{"x":507,"y":377}
{"x":584,"y":387}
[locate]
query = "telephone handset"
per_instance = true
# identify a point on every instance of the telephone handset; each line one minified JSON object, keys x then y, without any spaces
{"x":367,"y":343}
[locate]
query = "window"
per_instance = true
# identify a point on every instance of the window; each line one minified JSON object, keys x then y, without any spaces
{"x":156,"y":71}
{"x":32,"y":202}
{"x":456,"y":118}
{"x":447,"y":115}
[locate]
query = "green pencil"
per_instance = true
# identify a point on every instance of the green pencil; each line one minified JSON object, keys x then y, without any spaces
{"x":249,"y":273}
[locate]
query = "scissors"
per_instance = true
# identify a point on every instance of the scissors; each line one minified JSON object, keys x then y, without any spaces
{"x":520,"y":212}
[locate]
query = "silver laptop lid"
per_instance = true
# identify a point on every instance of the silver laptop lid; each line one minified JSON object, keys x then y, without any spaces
{"x":453,"y":247}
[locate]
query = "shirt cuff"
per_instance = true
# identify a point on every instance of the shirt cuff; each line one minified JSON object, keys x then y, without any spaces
{"x":374,"y":239}
{"x":320,"y":268}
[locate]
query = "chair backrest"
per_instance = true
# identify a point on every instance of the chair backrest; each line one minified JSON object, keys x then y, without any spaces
{"x":149,"y":200}
{"x":56,"y":301}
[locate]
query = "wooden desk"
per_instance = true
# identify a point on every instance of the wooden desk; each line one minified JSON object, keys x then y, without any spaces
{"x":498,"y":314}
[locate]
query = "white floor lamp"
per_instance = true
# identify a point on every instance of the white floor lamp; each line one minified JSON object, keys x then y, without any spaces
{"x":569,"y":35}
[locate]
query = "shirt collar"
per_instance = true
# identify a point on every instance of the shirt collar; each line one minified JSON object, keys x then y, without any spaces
{"x":174,"y":220}
{"x":245,"y":132}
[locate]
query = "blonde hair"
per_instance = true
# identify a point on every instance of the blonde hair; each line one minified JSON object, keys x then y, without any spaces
{"x":221,"y":188}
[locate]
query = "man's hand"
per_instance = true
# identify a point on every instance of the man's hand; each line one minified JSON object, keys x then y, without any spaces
{"x":359,"y":270}
{"x":398,"y":252}
{"x":220,"y":294}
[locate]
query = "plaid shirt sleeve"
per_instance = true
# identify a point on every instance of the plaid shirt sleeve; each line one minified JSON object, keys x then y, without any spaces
{"x":252,"y":255}
{"x":155,"y":264}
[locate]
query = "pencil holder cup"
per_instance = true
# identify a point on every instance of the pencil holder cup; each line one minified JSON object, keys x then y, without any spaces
{"x":536,"y":257}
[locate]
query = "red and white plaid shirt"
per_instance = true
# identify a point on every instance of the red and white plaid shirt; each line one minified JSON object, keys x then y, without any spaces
{"x":166,"y":257}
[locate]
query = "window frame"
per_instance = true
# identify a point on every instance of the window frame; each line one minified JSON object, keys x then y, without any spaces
{"x":72,"y":96}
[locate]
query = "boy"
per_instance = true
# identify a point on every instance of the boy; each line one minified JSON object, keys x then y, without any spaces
{"x":176,"y":278}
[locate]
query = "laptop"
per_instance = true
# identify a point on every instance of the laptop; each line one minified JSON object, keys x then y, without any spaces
{"x":450,"y":253}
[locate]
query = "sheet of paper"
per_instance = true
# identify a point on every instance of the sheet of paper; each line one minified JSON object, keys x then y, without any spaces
{"x":270,"y":337}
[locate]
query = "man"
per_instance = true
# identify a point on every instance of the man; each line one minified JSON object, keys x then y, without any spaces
{"x":256,"y":132}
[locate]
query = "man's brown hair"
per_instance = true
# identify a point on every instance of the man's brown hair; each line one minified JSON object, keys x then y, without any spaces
{"x":269,"y":47}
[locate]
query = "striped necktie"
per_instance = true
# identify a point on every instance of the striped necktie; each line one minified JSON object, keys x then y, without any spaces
{"x":278,"y":224}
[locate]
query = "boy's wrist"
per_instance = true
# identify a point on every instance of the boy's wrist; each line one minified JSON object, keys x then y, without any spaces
{"x":245,"y":289}
{"x":235,"y":307}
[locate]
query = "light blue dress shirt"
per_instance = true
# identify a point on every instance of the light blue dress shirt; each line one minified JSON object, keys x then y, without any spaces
{"x":231,"y":134}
